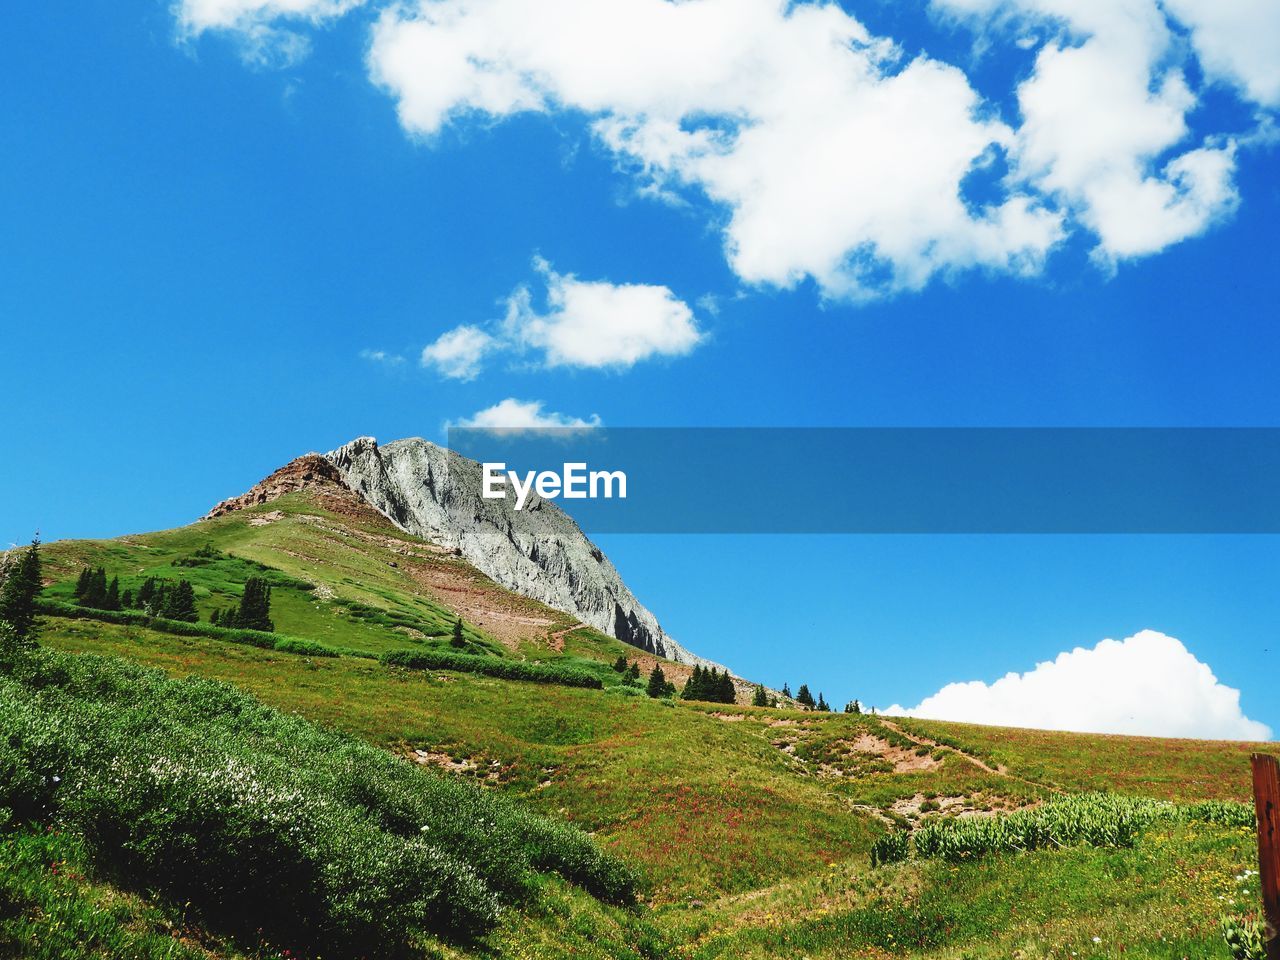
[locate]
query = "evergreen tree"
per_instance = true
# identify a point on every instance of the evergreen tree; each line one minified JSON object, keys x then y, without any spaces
{"x":620,"y":664}
{"x":853,"y":706}
{"x":457,"y":639}
{"x":82,"y":582}
{"x":180,"y":603}
{"x":692,"y":686}
{"x":773,"y":702}
{"x":657,"y":683}
{"x":255,"y":607}
{"x":805,"y":698}
{"x":112,"y":601}
{"x":726,"y":692}
{"x":18,"y":595}
{"x":786,"y":691}
{"x":822,"y":704}
{"x":126,"y":600}
{"x":147,"y":594}
{"x":214,"y":616}
{"x":95,"y":590}
{"x":633,"y":672}
{"x":759,"y":698}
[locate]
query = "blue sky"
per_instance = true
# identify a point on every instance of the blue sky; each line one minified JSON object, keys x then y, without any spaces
{"x":216,"y":218}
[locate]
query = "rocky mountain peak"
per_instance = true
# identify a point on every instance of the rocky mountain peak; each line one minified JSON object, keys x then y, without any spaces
{"x":308,"y":472}
{"x":539,"y":553}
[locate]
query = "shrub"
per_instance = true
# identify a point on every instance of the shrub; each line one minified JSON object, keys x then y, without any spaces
{"x":263,"y":821}
{"x":491,"y":667}
{"x":1096,"y":819}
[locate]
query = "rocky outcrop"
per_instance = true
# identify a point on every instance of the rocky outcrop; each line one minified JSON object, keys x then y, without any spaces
{"x":538,"y":552}
{"x":308,"y":472}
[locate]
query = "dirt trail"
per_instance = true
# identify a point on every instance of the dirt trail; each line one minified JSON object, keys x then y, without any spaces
{"x":556,"y":639}
{"x":999,"y":770}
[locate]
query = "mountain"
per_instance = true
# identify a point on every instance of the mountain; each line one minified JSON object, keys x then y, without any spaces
{"x":538,"y":552}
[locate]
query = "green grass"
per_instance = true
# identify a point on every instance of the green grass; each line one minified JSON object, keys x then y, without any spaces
{"x":751,"y":828}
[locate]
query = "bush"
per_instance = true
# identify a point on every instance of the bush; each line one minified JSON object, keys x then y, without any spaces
{"x":252,"y":638}
{"x":263,"y":821}
{"x":1096,"y":819}
{"x":491,"y":667}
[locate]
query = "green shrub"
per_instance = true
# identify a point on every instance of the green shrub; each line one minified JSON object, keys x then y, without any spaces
{"x":264,"y":822}
{"x":491,"y":667}
{"x":305,"y":648}
{"x":1244,"y":938}
{"x":1096,"y":819}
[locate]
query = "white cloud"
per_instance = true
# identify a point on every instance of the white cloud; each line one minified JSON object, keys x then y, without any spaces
{"x":835,"y":159}
{"x":1238,"y":41}
{"x":1148,"y":684}
{"x":459,"y":353}
{"x":1104,"y":122}
{"x":263,"y":43}
{"x":585,"y":323}
{"x":516,"y":414}
{"x":595,"y":323}
{"x":826,"y":152}
{"x":381,"y":356}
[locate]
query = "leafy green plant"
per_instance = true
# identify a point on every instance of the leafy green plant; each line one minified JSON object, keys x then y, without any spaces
{"x":263,"y":822}
{"x":1244,"y":938}
{"x":491,"y":666}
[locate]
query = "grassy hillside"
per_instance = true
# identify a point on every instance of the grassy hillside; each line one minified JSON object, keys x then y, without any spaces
{"x":751,"y":830}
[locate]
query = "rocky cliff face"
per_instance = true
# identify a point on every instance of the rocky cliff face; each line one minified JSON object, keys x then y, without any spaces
{"x":538,"y":552}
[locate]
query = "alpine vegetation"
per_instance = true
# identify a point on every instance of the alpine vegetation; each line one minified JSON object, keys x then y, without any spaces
{"x":267,"y":826}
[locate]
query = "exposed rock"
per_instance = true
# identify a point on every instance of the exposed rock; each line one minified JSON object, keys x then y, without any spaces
{"x":307,"y":472}
{"x":538,"y":552}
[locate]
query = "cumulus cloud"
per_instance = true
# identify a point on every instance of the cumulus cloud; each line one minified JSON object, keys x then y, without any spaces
{"x":1237,"y":41}
{"x":513,"y":414}
{"x":1104,"y":128}
{"x":459,"y":352}
{"x":1148,"y":684}
{"x":595,"y":323}
{"x":826,"y":152}
{"x":584,"y":323}
{"x":836,"y":158}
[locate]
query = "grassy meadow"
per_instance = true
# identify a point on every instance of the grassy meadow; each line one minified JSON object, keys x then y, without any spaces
{"x":749,"y":831}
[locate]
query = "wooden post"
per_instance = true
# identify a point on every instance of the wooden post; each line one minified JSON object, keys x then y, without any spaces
{"x":1266,"y":800}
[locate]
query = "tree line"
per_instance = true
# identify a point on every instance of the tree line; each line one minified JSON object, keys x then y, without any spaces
{"x":175,"y":600}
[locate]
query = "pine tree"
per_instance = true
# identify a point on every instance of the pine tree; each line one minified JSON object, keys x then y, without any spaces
{"x":95,"y":590}
{"x":112,"y":600}
{"x":634,"y":670}
{"x":805,"y":698}
{"x":180,"y":603}
{"x":255,"y":607}
{"x":147,"y":594}
{"x":822,"y":704}
{"x":214,"y":616}
{"x":786,"y":691}
{"x":620,"y":665}
{"x":853,"y":706}
{"x":692,"y":686}
{"x":759,"y":698}
{"x":18,"y":595}
{"x":726,"y":692}
{"x":82,"y":582}
{"x":126,"y":600}
{"x":457,"y":639}
{"x":657,"y":683}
